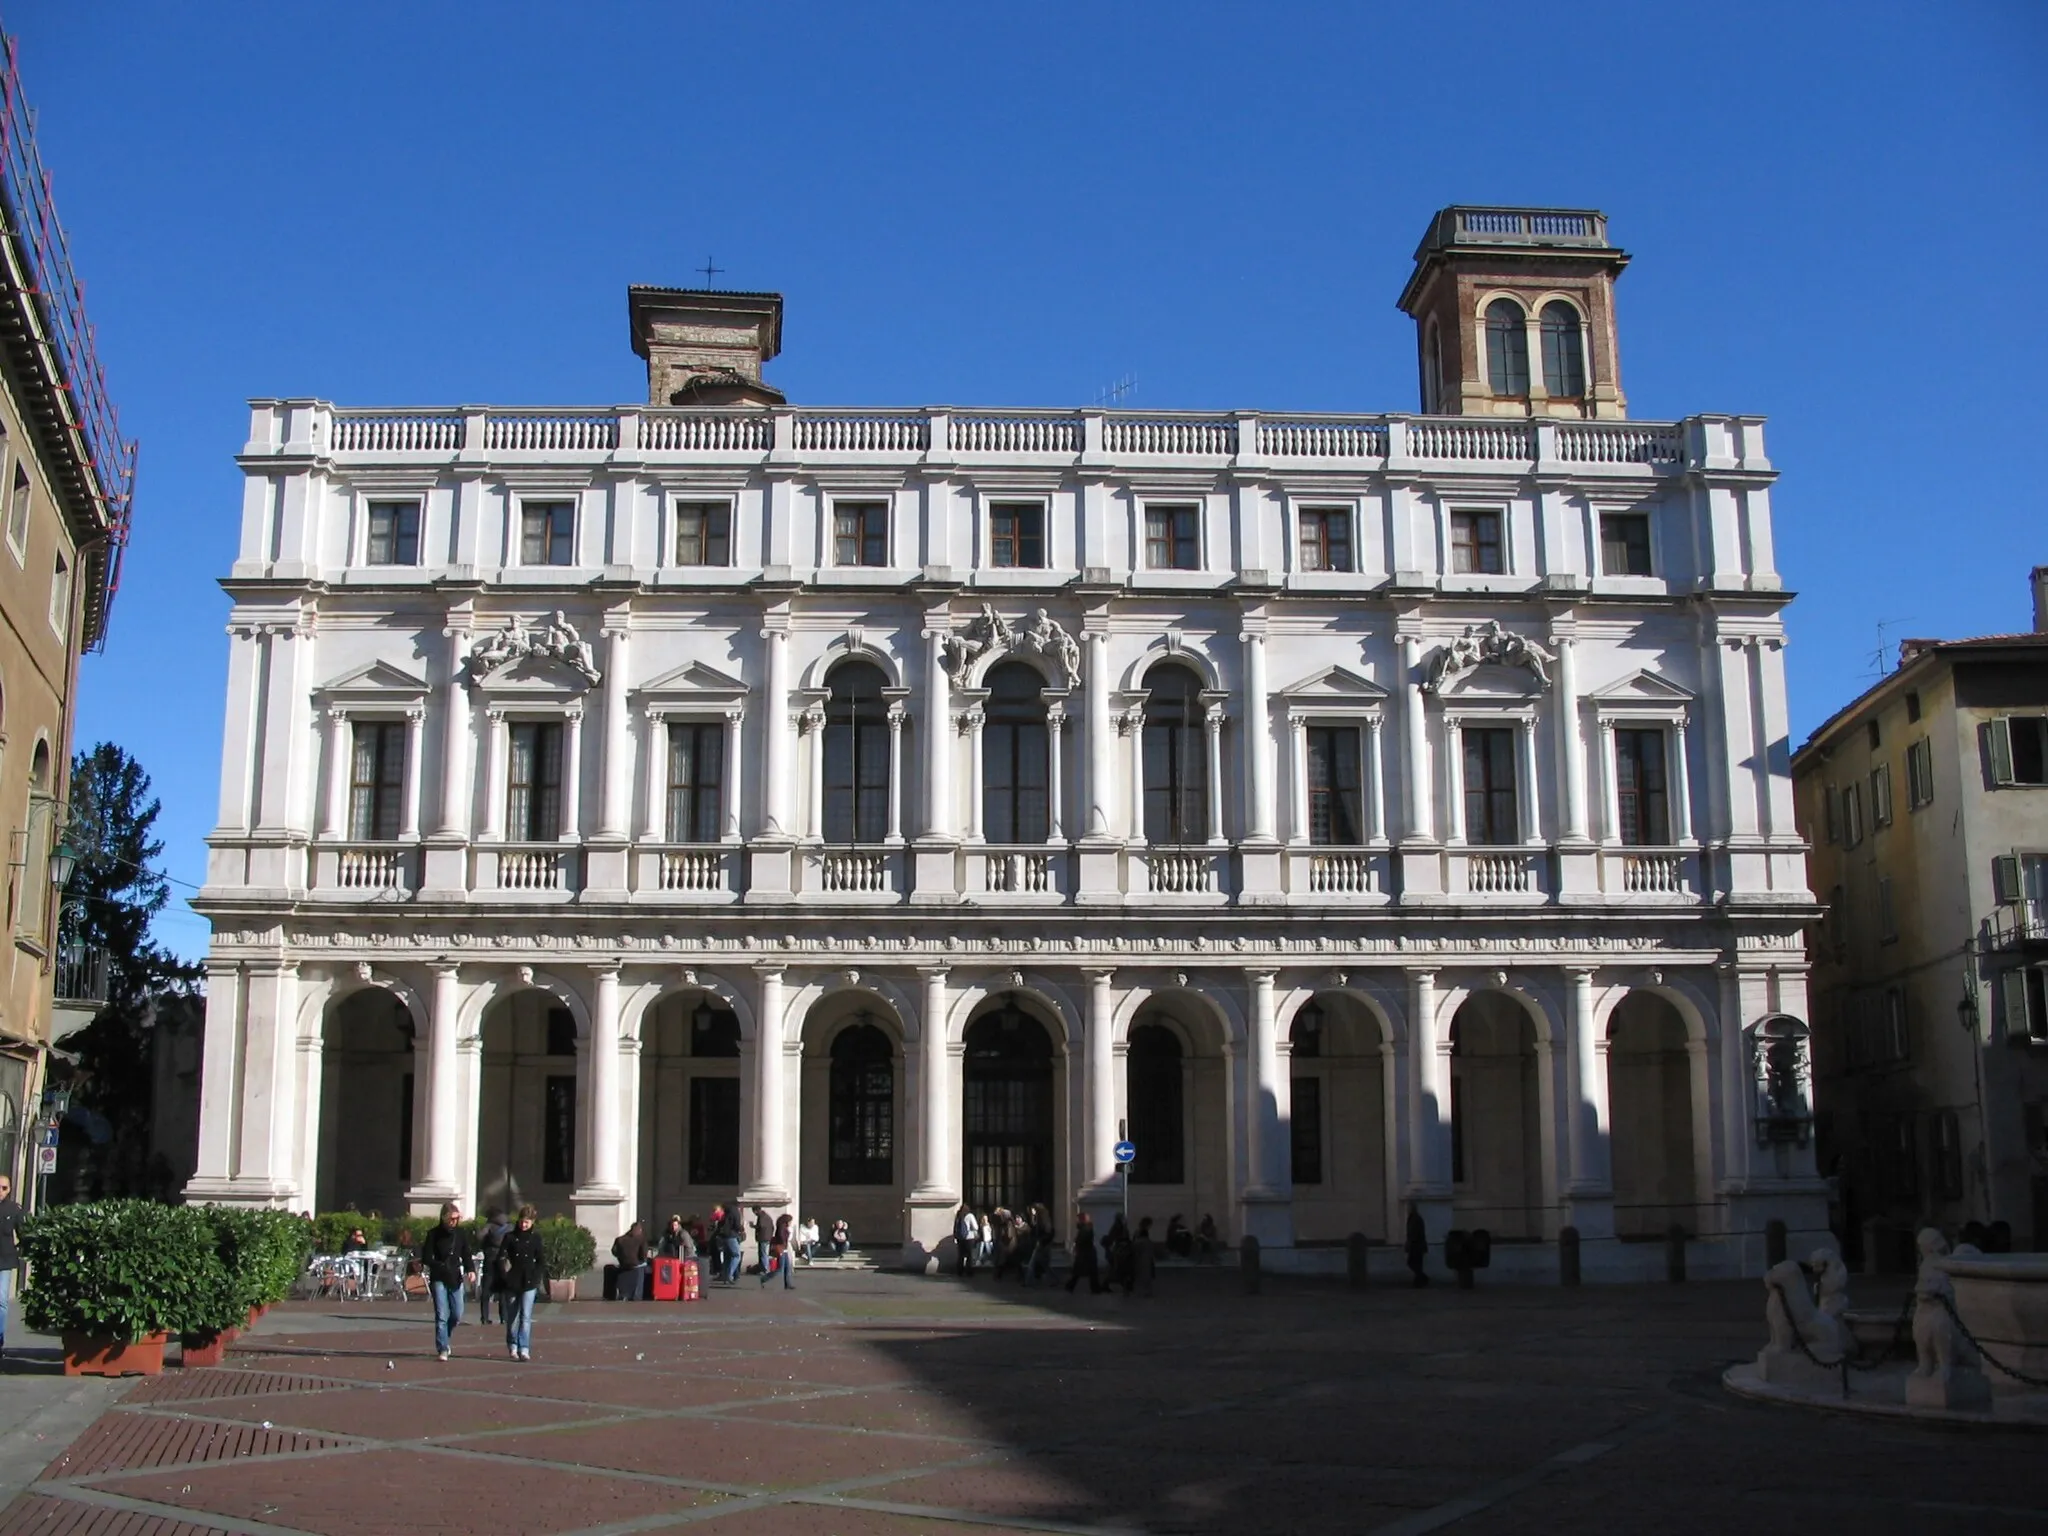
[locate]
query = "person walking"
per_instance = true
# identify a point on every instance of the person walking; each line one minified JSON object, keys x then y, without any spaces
{"x":1086,"y":1266}
{"x":725,"y":1228}
{"x":966,"y":1239}
{"x":1041,"y":1250}
{"x":782,"y":1253}
{"x":1144,"y":1260}
{"x":1116,"y":1248}
{"x":764,"y":1236}
{"x":492,"y":1244}
{"x":522,"y":1269}
{"x":1416,"y":1245}
{"x":629,"y":1252}
{"x":10,"y":1256}
{"x":448,"y":1259}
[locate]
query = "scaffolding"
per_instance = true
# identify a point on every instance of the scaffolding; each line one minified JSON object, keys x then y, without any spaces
{"x":56,"y":298}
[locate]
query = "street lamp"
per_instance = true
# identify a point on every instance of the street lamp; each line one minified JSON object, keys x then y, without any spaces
{"x":62,"y":862}
{"x":1967,"y":1013}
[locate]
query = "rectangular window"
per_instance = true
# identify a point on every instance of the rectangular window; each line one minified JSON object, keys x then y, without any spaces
{"x":1491,"y":813}
{"x":376,"y":780}
{"x":2019,"y":749}
{"x":2026,"y":1003}
{"x":703,"y":533}
{"x":1881,"y":795}
{"x":1641,"y":788}
{"x":860,"y":533}
{"x":696,"y":772}
{"x":1898,"y":1160}
{"x":1887,"y":920}
{"x":1475,"y":544}
{"x":1016,"y":535}
{"x":1945,"y":1154}
{"x":560,"y":1026}
{"x":558,"y":1132}
{"x":533,"y":790}
{"x":17,"y":514}
{"x":714,"y":1151}
{"x":1326,"y":539}
{"x":1305,"y":1132}
{"x":547,"y":533}
{"x":1852,"y":815}
{"x":60,"y":597}
{"x":1830,"y":812}
{"x":1173,"y":538}
{"x":394,"y":533}
{"x":1625,"y":544}
{"x":1920,"y":773}
{"x":1334,"y":789}
{"x":1913,"y":705}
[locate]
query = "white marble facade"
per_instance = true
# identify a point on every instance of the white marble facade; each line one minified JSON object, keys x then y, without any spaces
{"x":1336,"y":889}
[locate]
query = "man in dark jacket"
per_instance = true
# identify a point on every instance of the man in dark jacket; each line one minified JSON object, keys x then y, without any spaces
{"x":449,"y":1260}
{"x":764,"y":1234}
{"x":487,"y":1286}
{"x":629,"y":1252}
{"x":10,"y":1260}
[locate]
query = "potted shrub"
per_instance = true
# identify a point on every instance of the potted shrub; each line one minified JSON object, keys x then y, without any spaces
{"x":567,"y":1251}
{"x":114,"y":1278}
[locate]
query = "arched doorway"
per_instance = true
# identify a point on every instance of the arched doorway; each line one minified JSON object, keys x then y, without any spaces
{"x":1650,"y":1116}
{"x":853,"y":1149}
{"x":369,"y":1111}
{"x":690,"y":1106}
{"x":1496,"y":1125}
{"x":1176,"y":1111}
{"x":531,"y":1112}
{"x":1008,"y":1120}
{"x":1337,"y":1120}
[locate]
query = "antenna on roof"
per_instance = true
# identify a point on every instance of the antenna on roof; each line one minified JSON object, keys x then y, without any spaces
{"x":710,"y":271}
{"x":1117,"y":391}
{"x":1879,"y":658}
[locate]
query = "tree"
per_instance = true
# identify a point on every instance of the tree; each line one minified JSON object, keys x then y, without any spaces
{"x":115,"y":892}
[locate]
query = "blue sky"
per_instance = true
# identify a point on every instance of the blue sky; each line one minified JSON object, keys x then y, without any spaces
{"x":1836,"y":214}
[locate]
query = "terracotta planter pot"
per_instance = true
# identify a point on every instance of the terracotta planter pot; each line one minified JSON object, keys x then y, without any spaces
{"x":90,"y":1354}
{"x":561,"y":1290}
{"x":198,"y":1349}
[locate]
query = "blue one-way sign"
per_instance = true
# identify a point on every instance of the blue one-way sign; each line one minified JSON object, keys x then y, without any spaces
{"x":1126,"y":1151}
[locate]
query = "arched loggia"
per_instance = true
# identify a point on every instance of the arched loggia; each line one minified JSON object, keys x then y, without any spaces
{"x":1337,"y":1120}
{"x":370,"y":1112}
{"x":1008,"y":1120}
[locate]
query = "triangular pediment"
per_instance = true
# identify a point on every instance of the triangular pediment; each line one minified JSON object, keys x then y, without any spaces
{"x":376,"y":677}
{"x":1641,"y":688}
{"x":693,"y":679}
{"x":1332,"y":684}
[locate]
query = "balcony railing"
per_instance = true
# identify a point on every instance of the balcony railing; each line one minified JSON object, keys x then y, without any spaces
{"x":2012,"y":925}
{"x":1341,"y":874}
{"x":530,"y":869}
{"x":1024,"y":874}
{"x":853,"y":872}
{"x":82,"y":973}
{"x":1182,"y":872}
{"x":1502,"y":874}
{"x":751,"y":433}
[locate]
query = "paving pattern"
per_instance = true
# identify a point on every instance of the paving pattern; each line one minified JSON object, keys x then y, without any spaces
{"x":885,"y":1405}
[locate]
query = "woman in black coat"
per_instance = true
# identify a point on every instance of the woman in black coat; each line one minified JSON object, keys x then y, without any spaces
{"x":1085,"y":1265}
{"x":522,"y":1271}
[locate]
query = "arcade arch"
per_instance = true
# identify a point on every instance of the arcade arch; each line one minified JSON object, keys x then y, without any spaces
{"x":532,"y":1108}
{"x":1496,"y":1118}
{"x":370,"y":1113}
{"x":690,"y":1095}
{"x":1013,"y":1108}
{"x":1177,"y":1110}
{"x":1337,"y":1119}
{"x":1651,"y":1118}
{"x":854,"y":1154}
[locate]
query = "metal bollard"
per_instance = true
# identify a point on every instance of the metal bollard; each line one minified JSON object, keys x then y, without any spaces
{"x":1774,"y":1243}
{"x":1568,"y":1256}
{"x":1248,"y":1264}
{"x":1356,"y":1253}
{"x":1674,"y":1254}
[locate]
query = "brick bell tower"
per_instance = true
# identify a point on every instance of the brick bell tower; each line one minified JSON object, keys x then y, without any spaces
{"x":1514,"y":313}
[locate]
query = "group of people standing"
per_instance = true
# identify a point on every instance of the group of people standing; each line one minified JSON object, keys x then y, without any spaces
{"x":780,"y":1243}
{"x":1024,"y":1242}
{"x":1006,"y":1239}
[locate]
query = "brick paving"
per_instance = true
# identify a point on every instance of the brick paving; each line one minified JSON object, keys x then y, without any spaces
{"x":884,"y":1405}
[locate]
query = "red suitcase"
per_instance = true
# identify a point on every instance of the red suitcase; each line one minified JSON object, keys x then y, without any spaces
{"x":693,"y":1280}
{"x":668,"y":1279}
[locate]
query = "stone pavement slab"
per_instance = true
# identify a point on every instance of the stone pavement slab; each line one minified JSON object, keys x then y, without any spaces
{"x":889,"y":1405}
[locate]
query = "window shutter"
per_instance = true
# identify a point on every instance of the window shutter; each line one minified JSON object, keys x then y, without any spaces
{"x":2005,"y":879}
{"x":2014,"y":985}
{"x":1999,"y":732}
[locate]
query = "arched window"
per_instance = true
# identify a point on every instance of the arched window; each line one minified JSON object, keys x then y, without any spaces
{"x":1507,"y":348}
{"x":1153,"y":1077}
{"x":1564,"y":351}
{"x":1007,"y":1118}
{"x":1014,"y":757}
{"x":1176,"y":758}
{"x":856,"y":755}
{"x":863,"y":1106}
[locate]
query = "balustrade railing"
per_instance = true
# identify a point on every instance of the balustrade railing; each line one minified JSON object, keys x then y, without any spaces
{"x":1618,"y":443}
{"x":371,"y":869}
{"x":1340,"y":874}
{"x":693,"y":869}
{"x":552,"y":432}
{"x":1170,"y":434}
{"x":1019,"y":874}
{"x":1500,"y":874}
{"x":660,"y":432}
{"x":855,"y":872}
{"x":532,"y":869}
{"x":862,"y":434}
{"x":395,"y":432}
{"x":1332,"y":439}
{"x":1441,"y":438}
{"x":1182,"y":874}
{"x":1653,"y":874}
{"x":1016,"y":434}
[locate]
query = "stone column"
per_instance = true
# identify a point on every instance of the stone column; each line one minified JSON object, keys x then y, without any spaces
{"x":1297,"y":764}
{"x":1610,"y":784}
{"x":1454,"y":763}
{"x":938,"y":709}
{"x":1098,"y":1162}
{"x":1415,"y":730}
{"x":896,"y":716}
{"x":767,"y":1187}
{"x":1055,"y":721}
{"x":497,"y":749}
{"x":1212,"y":722}
{"x":615,"y":777}
{"x":415,"y":735}
{"x":572,"y":774}
{"x":1590,"y":1194}
{"x":1259,"y":816}
{"x":1574,"y":745}
{"x":455,"y":806}
{"x":437,"y":1178}
{"x":776,"y":820}
{"x":1529,"y":803}
{"x":1263,"y":1114}
{"x":334,"y":815}
{"x":220,"y":1048}
{"x":971,"y":723}
{"x":1429,"y":1117}
{"x":1680,"y":781}
{"x":654,"y":799}
{"x":729,"y":788}
{"x":266,"y":1133}
{"x":935,"y":1169}
{"x":1101,"y":738}
{"x":1376,"y":791}
{"x":604,"y":1080}
{"x":811,"y":723}
{"x":1134,"y":727}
